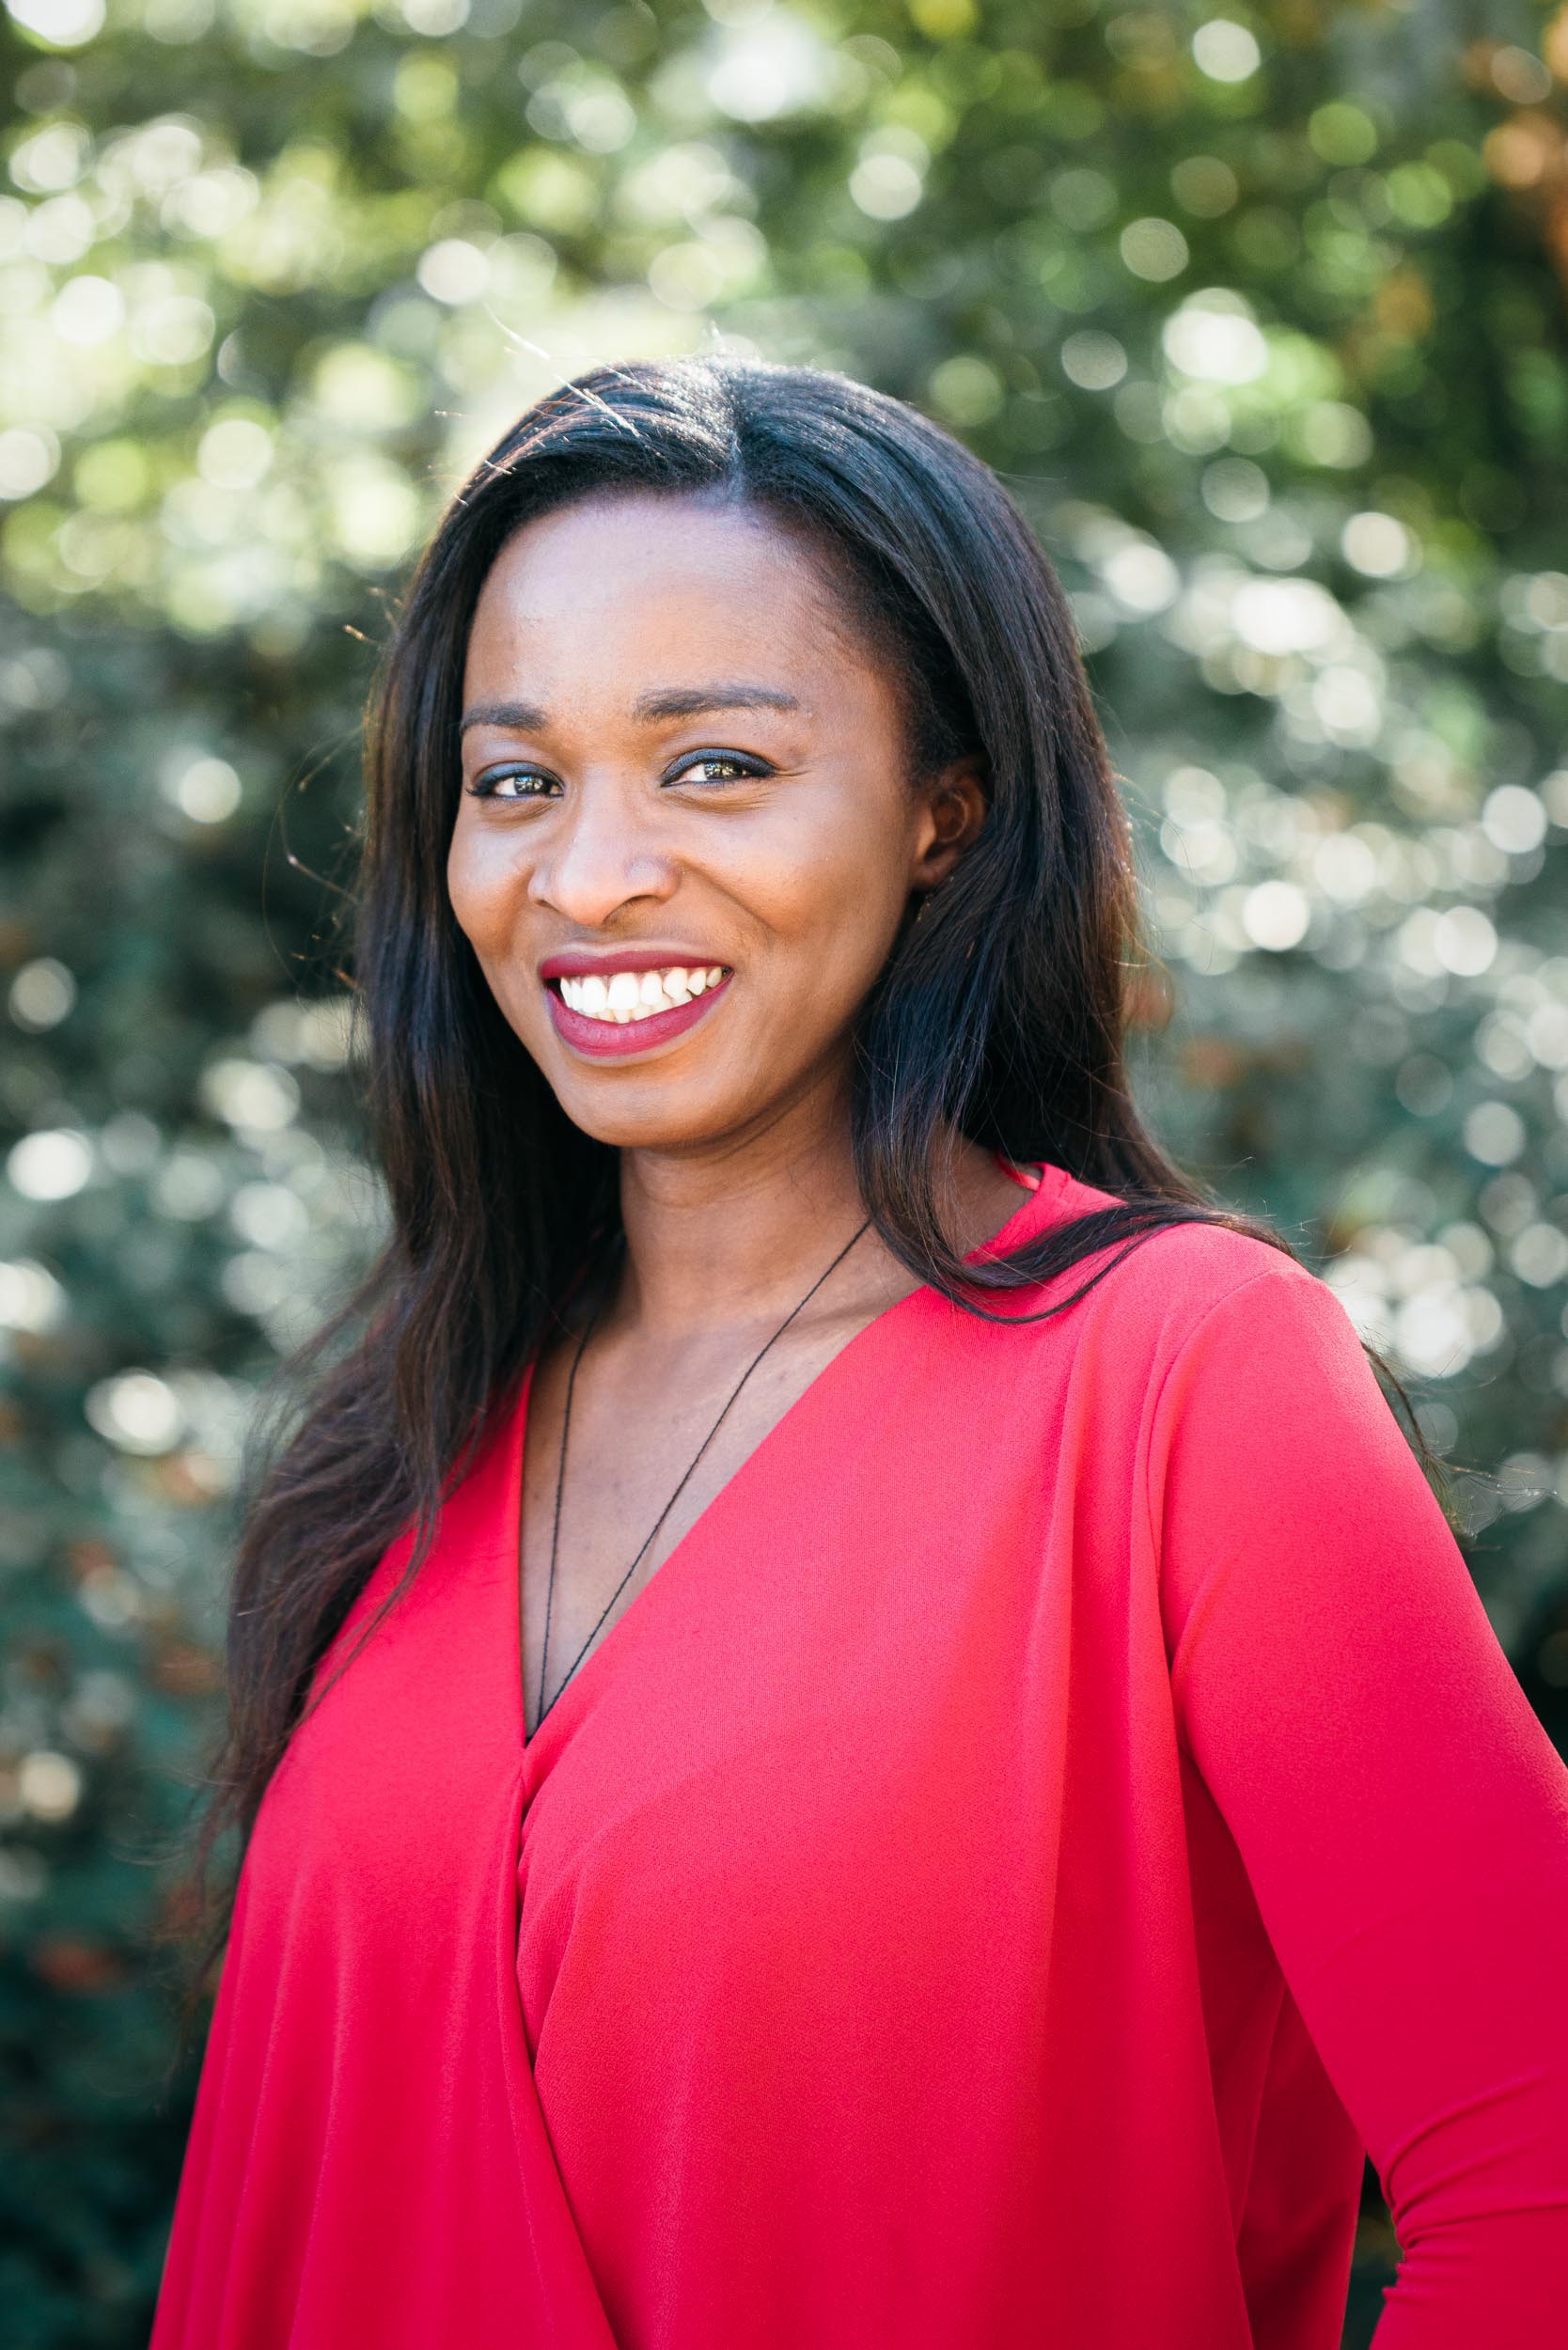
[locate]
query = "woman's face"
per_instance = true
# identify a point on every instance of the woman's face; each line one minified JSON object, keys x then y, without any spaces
{"x":678,"y":761}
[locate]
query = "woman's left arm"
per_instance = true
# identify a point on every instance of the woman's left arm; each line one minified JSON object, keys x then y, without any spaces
{"x":1402,"y":1815}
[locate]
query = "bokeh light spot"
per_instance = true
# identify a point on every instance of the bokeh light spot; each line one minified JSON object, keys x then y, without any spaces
{"x":1226,"y":50}
{"x":1154,"y":250}
{"x":64,"y":24}
{"x":207,"y":789}
{"x":42,"y":994}
{"x":135,"y":1410}
{"x":52,"y":1163}
{"x":1276,"y":916}
{"x":1378,"y":545}
{"x":1092,"y":360}
{"x":1495,"y":1133}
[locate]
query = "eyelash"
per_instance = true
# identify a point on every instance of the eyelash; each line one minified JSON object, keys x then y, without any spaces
{"x":483,"y":786}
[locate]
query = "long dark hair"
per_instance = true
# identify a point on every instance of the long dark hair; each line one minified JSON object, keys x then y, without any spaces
{"x":1003,"y":1014}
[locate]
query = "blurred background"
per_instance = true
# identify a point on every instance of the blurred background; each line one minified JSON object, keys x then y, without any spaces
{"x":1260,"y":313}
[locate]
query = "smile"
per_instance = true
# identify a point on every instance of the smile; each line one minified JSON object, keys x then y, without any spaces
{"x":611,"y":1013}
{"x":622,"y":996}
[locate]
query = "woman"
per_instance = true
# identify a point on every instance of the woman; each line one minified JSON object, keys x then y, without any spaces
{"x":899,"y":1751}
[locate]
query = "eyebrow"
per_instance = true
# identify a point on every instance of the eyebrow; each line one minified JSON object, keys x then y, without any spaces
{"x":669,"y":701}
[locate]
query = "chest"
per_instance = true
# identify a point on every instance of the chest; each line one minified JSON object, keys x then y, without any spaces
{"x":898,"y":1592}
{"x":612,"y":1487}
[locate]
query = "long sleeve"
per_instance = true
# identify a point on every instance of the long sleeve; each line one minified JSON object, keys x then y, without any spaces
{"x":1401,"y":1813}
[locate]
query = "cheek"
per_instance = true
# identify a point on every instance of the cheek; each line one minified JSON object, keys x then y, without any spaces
{"x":830,"y":879}
{"x":482,"y":885}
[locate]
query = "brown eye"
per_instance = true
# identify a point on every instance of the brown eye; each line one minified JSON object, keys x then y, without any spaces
{"x":735,"y":766}
{"x":532,"y":784}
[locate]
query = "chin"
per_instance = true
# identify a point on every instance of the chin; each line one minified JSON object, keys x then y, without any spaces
{"x":657,"y":1113}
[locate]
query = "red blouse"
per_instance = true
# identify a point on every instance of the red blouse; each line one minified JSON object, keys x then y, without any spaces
{"x":1058,"y":1804}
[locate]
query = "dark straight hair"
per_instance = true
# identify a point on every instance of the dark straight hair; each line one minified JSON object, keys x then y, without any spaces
{"x":1001,"y":1015}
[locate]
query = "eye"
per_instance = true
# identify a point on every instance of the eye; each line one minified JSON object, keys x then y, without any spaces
{"x":532,"y":784}
{"x":706,"y":766}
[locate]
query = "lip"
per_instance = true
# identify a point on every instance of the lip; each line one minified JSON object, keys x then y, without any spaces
{"x":580,"y":962}
{"x":609,"y":1040}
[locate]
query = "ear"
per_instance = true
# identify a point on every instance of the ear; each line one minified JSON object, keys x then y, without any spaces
{"x":953,"y":806}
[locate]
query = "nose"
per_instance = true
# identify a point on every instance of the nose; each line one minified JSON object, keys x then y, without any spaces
{"x":601,"y":855}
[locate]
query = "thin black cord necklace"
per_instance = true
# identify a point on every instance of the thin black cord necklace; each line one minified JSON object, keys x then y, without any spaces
{"x":560,"y":1473}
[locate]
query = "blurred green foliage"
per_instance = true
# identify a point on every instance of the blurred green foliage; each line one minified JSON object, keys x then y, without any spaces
{"x":1261,"y":316}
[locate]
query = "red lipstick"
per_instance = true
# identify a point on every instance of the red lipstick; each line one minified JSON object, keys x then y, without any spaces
{"x":603,"y":1039}
{"x":580,"y":962}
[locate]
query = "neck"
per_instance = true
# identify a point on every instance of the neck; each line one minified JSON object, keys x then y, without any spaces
{"x":737,"y":1230}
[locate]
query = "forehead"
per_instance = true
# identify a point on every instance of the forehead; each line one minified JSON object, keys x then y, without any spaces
{"x":638,"y":582}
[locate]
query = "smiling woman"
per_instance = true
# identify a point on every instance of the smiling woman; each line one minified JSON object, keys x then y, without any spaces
{"x":753,"y":825}
{"x":851,"y":1723}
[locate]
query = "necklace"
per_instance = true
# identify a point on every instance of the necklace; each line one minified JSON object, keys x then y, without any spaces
{"x":560,"y":1473}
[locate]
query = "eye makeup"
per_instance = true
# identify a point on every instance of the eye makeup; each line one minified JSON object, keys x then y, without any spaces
{"x":747,"y":765}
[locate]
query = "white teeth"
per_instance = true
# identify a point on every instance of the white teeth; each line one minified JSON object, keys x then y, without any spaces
{"x":619,"y":997}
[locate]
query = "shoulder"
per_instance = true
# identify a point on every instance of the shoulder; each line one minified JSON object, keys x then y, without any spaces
{"x":1163,"y":1292}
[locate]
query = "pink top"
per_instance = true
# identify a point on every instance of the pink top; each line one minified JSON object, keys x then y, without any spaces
{"x":1060,"y":1802}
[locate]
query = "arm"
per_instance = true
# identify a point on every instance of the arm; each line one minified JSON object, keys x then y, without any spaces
{"x":1402,"y":1815}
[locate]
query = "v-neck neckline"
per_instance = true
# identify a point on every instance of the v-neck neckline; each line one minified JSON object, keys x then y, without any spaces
{"x":1052,"y":1179}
